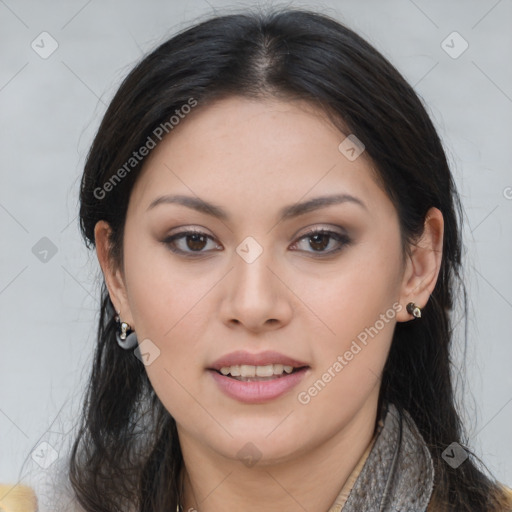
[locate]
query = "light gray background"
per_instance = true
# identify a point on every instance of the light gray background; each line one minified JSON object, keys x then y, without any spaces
{"x":50,"y":109}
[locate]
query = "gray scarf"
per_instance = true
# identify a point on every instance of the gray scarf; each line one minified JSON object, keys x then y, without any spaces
{"x":398,"y":475}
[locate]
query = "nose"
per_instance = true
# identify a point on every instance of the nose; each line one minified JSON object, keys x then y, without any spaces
{"x":256,"y":296}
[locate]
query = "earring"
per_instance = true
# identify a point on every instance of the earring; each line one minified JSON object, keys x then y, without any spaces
{"x":125,"y":339}
{"x":413,"y":310}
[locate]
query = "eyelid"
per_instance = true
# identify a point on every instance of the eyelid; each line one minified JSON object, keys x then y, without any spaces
{"x":322,"y":228}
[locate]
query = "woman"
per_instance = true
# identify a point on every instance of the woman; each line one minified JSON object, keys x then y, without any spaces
{"x":277,"y":228}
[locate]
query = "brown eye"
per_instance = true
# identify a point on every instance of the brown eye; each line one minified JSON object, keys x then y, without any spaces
{"x":320,"y":239}
{"x":196,"y":242}
{"x":189,"y":242}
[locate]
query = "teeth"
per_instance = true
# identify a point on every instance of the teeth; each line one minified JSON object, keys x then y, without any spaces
{"x":247,"y":370}
{"x":265,"y":371}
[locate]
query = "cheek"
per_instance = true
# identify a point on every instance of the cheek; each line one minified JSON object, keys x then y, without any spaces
{"x":162,"y":297}
{"x":357,"y":307}
{"x":349,"y":363}
{"x":360,"y":293}
{"x":168,"y":308}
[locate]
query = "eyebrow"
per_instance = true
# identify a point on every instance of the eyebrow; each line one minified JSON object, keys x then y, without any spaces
{"x":285,"y":213}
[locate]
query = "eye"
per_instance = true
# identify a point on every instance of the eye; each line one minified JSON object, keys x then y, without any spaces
{"x":189,"y":242}
{"x":320,"y":239}
{"x":194,"y":243}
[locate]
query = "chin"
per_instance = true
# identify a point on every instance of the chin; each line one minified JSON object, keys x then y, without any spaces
{"x":256,"y":447}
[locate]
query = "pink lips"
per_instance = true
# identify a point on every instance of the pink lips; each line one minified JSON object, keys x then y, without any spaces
{"x":257,"y":391}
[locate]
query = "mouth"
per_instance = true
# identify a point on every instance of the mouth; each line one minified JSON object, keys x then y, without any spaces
{"x":255,"y":384}
{"x":252,"y":373}
{"x":256,"y":378}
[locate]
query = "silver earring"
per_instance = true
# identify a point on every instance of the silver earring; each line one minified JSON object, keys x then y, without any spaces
{"x":125,"y":339}
{"x":413,"y":310}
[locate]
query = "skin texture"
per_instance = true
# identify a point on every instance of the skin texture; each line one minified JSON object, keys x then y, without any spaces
{"x":252,"y":158}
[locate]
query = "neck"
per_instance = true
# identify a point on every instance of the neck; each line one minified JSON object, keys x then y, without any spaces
{"x":310,"y":480}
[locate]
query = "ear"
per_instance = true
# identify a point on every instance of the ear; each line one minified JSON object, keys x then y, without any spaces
{"x":113,"y":275}
{"x":423,"y":265}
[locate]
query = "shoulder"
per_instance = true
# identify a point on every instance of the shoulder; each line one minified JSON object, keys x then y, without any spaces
{"x":508,"y":492}
{"x":507,"y":503}
{"x":17,"y":497}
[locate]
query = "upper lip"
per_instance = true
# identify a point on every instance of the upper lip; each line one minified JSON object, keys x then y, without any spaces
{"x":257,"y":359}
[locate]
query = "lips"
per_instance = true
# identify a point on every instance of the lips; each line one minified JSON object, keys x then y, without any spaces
{"x":257,"y":389}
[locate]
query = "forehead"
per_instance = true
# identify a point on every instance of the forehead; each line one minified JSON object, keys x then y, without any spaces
{"x":255,"y":152}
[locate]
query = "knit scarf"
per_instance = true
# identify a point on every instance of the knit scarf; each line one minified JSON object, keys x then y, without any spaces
{"x":398,"y":475}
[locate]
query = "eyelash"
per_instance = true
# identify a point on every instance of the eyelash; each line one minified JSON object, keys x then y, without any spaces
{"x":343,"y":239}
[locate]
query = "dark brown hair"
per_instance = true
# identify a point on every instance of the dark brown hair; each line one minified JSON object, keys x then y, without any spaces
{"x":127,"y":452}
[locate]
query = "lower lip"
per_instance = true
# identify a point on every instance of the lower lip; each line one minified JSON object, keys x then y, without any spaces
{"x":256,"y":392}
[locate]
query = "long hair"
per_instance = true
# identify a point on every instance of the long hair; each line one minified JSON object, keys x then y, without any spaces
{"x":127,"y":452}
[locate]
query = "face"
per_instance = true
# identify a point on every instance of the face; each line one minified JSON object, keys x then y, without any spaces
{"x":256,"y":278}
